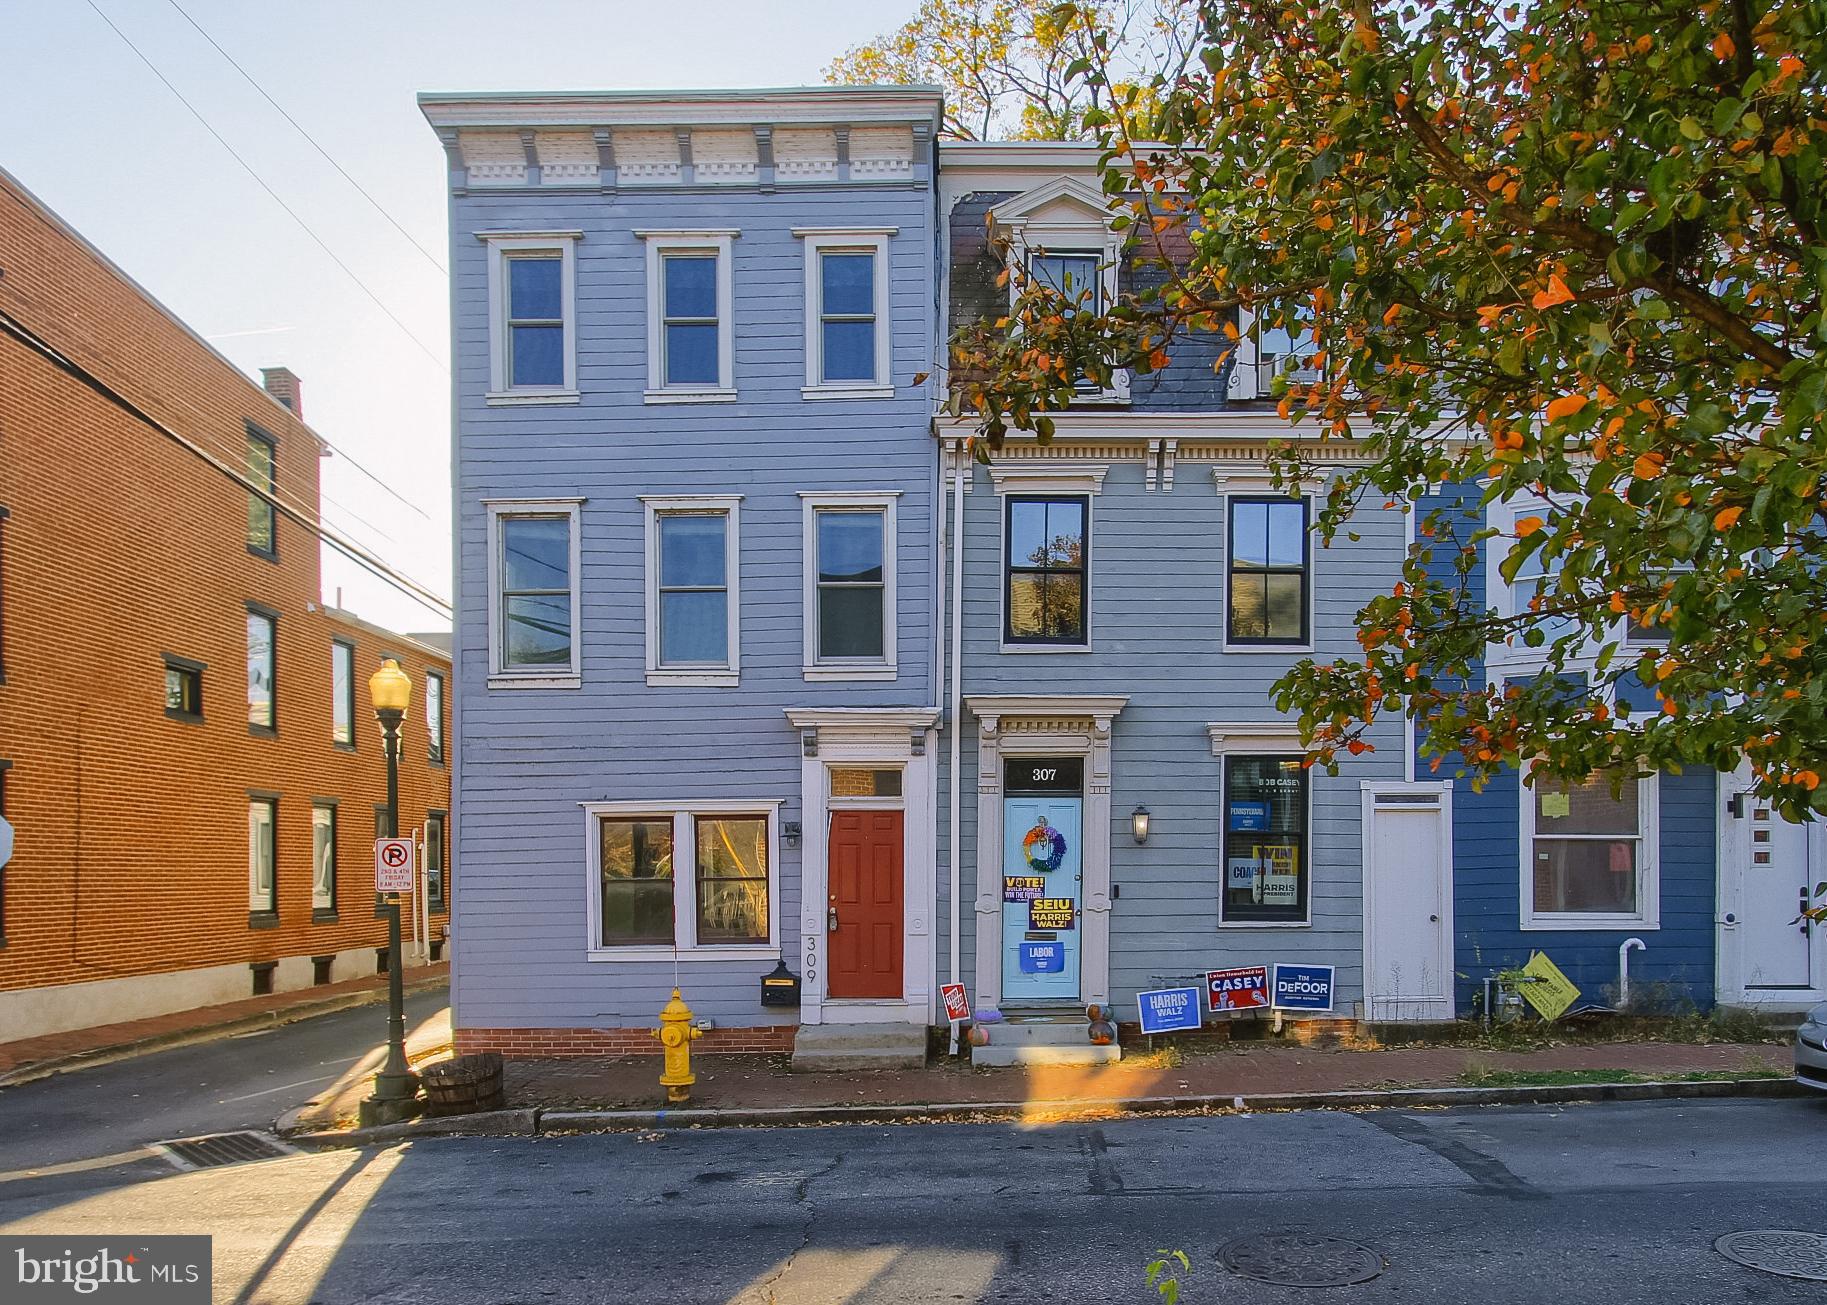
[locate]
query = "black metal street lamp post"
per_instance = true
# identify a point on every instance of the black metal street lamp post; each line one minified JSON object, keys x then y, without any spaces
{"x":396,"y":1087}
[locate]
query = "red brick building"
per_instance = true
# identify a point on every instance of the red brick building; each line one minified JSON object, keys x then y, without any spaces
{"x":187,"y":752}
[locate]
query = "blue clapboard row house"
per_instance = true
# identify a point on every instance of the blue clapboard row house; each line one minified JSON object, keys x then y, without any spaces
{"x":765,"y":689}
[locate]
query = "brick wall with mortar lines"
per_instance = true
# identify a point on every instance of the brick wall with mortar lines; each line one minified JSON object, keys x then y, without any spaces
{"x":122,"y":546}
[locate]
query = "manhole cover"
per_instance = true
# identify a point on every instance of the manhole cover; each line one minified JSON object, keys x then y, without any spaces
{"x":222,"y":1149}
{"x":1300,"y":1260}
{"x":1778,"y":1250}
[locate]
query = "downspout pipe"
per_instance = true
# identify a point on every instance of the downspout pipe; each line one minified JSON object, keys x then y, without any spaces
{"x":1624,"y":950}
{"x":955,"y":542}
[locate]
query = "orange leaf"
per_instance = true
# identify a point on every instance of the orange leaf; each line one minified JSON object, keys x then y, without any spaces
{"x":1724,"y":47}
{"x":1566,"y":406}
{"x":1556,"y":293}
{"x":1389,"y":317}
{"x":1649,"y":466}
{"x":1526,"y":526}
{"x":1726,"y":518}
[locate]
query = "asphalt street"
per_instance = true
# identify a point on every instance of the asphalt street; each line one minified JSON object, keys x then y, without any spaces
{"x":1617,"y":1203}
{"x":245,"y":1081}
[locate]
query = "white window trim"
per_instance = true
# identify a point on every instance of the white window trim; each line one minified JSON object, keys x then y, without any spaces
{"x":1257,"y":485}
{"x":729,"y":505}
{"x":1064,"y":480}
{"x":503,"y":245}
{"x":1096,"y":241}
{"x":259,"y":902}
{"x":851,"y":240}
{"x":714,"y":240}
{"x":685,"y":880}
{"x":1648,"y":914}
{"x":884,"y":667}
{"x":503,"y":677}
{"x":330,"y":810}
{"x":1257,"y":741}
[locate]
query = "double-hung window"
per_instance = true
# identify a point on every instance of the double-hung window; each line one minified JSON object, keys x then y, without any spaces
{"x":1267,"y":560}
{"x":1589,"y":854}
{"x":693,"y":590}
{"x":183,"y":688}
{"x":689,"y":336}
{"x":323,"y":861}
{"x":1047,"y":544}
{"x":342,"y":693}
{"x":532,"y":295}
{"x":695,"y":876}
{"x":850,"y":586}
{"x":437,"y":891}
{"x":1267,"y":869}
{"x":262,"y":670}
{"x":263,"y":474}
{"x":847,"y":313}
{"x":434,"y":717}
{"x":262,"y":856}
{"x":533,"y":593}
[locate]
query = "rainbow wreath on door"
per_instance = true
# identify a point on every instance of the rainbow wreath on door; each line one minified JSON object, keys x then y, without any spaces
{"x":1044,"y":847}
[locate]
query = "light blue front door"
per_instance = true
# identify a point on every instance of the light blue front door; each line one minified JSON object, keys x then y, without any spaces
{"x":1041,"y":917}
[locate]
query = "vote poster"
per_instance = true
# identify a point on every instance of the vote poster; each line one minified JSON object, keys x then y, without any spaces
{"x":1052,"y":913}
{"x":1023,"y":888}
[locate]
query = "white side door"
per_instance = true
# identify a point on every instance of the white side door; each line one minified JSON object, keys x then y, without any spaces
{"x":1769,"y":867}
{"x":1408,"y":901}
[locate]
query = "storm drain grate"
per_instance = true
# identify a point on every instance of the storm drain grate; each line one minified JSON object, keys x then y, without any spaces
{"x":1779,"y":1251}
{"x":1300,"y":1260}
{"x":214,"y":1149}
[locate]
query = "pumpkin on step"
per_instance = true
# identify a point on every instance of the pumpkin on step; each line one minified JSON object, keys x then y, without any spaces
{"x":1103,"y":1033}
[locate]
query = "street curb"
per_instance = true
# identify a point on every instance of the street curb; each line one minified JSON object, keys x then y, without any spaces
{"x":36,"y":1070}
{"x":545,"y":1121}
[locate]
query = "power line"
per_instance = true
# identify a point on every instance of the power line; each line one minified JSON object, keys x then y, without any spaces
{"x":248,"y":168}
{"x":419,"y":593}
{"x":249,"y":78}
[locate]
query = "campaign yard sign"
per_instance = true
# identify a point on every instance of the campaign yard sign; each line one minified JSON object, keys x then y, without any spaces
{"x":1245,"y":988}
{"x":1301,"y":987}
{"x":1169,"y":1010}
{"x":957,"y":1005}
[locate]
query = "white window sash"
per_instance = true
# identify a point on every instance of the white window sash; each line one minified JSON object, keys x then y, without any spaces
{"x":1648,"y":914}
{"x":261,"y":848}
{"x":502,"y":247}
{"x":323,"y":885}
{"x":819,"y":241}
{"x":502,"y":676}
{"x":720,"y":243}
{"x":685,"y":943}
{"x":814,"y":666}
{"x":656,"y":506}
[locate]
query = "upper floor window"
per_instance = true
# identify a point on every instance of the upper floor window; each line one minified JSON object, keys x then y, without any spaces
{"x":342,"y":693}
{"x":1075,"y":277}
{"x":850,"y":586}
{"x":434,"y":716}
{"x":183,"y":688}
{"x":693,"y":633}
{"x":847,"y":313}
{"x":1048,"y":557}
{"x":532,"y":317}
{"x":262,"y":670}
{"x":1266,"y":566}
{"x":263,"y":472}
{"x":1590,"y":853}
{"x":533,"y":593}
{"x":689,"y":338}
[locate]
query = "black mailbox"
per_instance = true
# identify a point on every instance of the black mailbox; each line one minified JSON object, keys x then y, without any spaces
{"x":779,"y":988}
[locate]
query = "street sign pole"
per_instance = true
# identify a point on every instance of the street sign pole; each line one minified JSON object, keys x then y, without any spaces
{"x":396,"y":1087}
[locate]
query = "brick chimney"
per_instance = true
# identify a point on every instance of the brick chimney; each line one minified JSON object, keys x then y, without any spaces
{"x":283,"y":385}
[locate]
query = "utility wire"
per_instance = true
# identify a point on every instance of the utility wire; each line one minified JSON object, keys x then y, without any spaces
{"x":249,"y":79}
{"x":419,"y":593}
{"x":290,"y":212}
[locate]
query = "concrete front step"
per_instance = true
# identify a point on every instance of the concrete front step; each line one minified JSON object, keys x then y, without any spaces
{"x":1052,"y":1038}
{"x":827,"y":1047}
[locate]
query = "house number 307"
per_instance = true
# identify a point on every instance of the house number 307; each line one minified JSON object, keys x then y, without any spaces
{"x":1049,"y":772}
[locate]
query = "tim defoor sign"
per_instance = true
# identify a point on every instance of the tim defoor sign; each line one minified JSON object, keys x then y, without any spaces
{"x":140,"y":1270}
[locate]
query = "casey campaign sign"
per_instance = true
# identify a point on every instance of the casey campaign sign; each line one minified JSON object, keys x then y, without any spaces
{"x":1301,"y":987}
{"x":1246,"y":988}
{"x":1169,"y":1010}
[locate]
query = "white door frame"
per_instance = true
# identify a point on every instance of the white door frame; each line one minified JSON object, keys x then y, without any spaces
{"x":892,"y":738}
{"x":1434,"y":796}
{"x":1734,"y":860}
{"x":1044,"y":725}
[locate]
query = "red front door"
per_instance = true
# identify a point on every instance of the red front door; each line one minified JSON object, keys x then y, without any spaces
{"x":864,"y":917}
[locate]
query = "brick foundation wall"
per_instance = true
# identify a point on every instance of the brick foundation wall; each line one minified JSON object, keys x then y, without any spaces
{"x":542,"y":1044}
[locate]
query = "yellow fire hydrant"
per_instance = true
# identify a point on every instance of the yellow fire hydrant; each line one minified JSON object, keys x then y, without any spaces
{"x":675,"y":1034}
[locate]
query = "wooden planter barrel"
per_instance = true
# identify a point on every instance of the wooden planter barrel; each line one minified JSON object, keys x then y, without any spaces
{"x":464,"y":1084}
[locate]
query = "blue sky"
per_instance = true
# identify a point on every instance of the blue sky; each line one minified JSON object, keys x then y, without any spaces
{"x":93,"y":133}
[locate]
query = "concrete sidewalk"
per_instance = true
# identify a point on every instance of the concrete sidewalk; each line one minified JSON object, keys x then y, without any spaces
{"x":29,"y":1058}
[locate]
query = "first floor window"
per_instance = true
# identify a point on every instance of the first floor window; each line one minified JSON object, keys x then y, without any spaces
{"x":1267,"y":564}
{"x":1589,"y":847}
{"x":685,"y":878}
{"x":323,"y":858}
{"x":1267,"y":871}
{"x":1044,"y":597}
{"x":435,"y":880}
{"x":262,"y":855}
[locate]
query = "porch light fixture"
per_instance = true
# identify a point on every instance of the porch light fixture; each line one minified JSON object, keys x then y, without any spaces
{"x":1138,"y":824}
